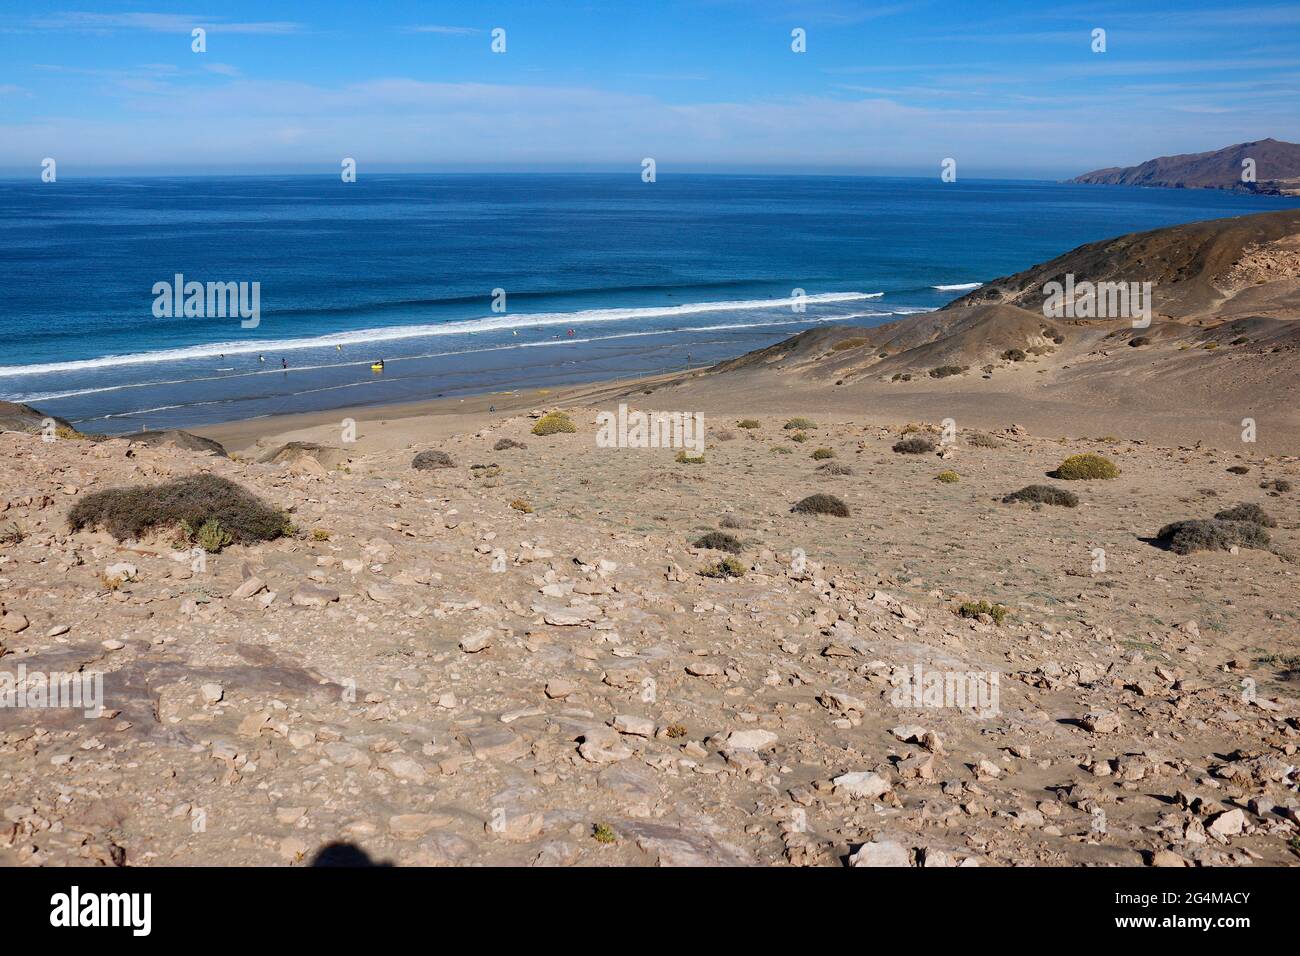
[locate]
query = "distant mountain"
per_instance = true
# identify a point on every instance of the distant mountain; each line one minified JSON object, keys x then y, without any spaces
{"x":1277,"y":170}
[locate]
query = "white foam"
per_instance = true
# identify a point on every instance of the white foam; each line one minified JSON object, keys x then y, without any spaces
{"x":959,"y":287}
{"x":396,"y":333}
{"x":34,"y":397}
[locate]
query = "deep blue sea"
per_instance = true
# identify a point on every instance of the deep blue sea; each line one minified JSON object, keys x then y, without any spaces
{"x":603,"y":276}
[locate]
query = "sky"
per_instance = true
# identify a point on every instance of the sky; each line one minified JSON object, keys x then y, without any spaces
{"x":1008,"y":89}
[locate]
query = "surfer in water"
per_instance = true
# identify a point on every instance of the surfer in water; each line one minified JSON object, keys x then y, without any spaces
{"x":284,"y":363}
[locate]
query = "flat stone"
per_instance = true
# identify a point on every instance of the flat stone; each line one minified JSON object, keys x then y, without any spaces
{"x":250,"y":587}
{"x":411,"y":826}
{"x":882,"y":853}
{"x":497,"y":743}
{"x":862,"y":785}
{"x":307,"y":594}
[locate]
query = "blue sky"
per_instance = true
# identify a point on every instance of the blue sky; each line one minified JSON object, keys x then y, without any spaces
{"x":1008,"y":89}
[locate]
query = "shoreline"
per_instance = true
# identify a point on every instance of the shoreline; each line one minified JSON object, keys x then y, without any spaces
{"x":456,"y":414}
{"x":1055,"y":415}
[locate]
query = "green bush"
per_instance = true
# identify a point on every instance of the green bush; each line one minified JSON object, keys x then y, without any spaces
{"x":821,"y":504}
{"x":799,"y":424}
{"x":211,"y":537}
{"x":554,"y":423}
{"x":823,"y":453}
{"x":1086,"y":467}
{"x":998,"y":612}
{"x":685,"y":459}
{"x":726,"y":568}
{"x":1043,"y":495}
{"x":947,"y":477}
{"x":190,"y":502}
{"x":749,"y":423}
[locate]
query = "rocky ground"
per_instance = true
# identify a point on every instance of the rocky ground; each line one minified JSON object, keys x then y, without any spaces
{"x":431,"y":672}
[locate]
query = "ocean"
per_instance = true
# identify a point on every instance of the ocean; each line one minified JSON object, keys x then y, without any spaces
{"x":465,"y":284}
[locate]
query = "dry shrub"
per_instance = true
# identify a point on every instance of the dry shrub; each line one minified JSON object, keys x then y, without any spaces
{"x":191,"y":502}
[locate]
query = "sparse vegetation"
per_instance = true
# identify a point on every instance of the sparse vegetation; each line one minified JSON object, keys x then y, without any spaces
{"x":1184,"y":537}
{"x":553,"y":423}
{"x":1239,"y":469}
{"x":748,"y":423}
{"x":947,"y":477}
{"x":1054,"y":335}
{"x":320,"y":534}
{"x":603,"y":833}
{"x":914,"y":446}
{"x":519,"y":504}
{"x":676,"y":730}
{"x":1086,"y":467}
{"x":822,"y":504}
{"x":685,"y":459}
{"x":943,"y":371}
{"x":429,"y":460}
{"x":731,"y":521}
{"x":998,"y":612}
{"x":835,"y":468}
{"x":821,"y":454}
{"x":847,"y":344}
{"x":719,"y":541}
{"x":1277,"y":484}
{"x":981,"y":440}
{"x":505,"y":444}
{"x":799,"y":437}
{"x":724,"y":435}
{"x":902,"y":377}
{"x":1014,"y":355}
{"x":194,"y":501}
{"x":1043,"y":495}
{"x":799,"y":424}
{"x":782,"y":450}
{"x":1138,"y":341}
{"x":1239,"y":340}
{"x":728,"y":567}
{"x":12,"y":534}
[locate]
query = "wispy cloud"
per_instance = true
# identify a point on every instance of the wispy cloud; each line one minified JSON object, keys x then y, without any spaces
{"x":155,"y":23}
{"x":446,"y":31}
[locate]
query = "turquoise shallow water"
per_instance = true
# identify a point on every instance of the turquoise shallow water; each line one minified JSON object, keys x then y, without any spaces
{"x":603,"y":276}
